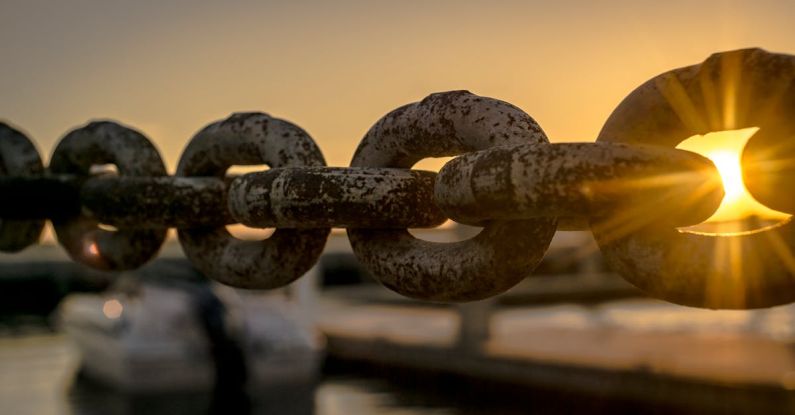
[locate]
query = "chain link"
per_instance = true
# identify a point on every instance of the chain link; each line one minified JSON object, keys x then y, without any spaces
{"x":576,"y":180}
{"x":747,"y":270}
{"x":502,"y":254}
{"x":18,"y":159}
{"x":253,"y":139}
{"x":631,"y":187}
{"x":324,"y":197}
{"x":133,"y":155}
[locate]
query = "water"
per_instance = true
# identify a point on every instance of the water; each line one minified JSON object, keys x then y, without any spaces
{"x":39,"y":374}
{"x":39,"y":371}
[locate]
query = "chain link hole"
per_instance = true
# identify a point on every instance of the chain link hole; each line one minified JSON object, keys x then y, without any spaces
{"x":433,"y":164}
{"x":249,"y":234}
{"x":104,"y":169}
{"x":739,"y":211}
{"x":240,"y":169}
{"x":449,"y":231}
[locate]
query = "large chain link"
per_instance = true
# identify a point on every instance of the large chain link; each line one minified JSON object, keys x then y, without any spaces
{"x":755,"y":269}
{"x":631,"y":187}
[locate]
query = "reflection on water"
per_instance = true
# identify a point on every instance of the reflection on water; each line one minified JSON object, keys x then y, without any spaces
{"x":344,"y":396}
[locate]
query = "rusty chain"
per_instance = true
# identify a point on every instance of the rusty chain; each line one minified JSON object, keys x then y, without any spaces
{"x":631,"y":187}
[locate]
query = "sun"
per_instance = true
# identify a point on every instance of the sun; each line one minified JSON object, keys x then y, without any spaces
{"x":731,"y":174}
{"x":724,"y":148}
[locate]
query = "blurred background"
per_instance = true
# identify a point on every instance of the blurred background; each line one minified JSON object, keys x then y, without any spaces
{"x":163,"y":339}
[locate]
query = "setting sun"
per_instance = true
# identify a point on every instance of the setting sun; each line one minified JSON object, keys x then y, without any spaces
{"x":728,"y":164}
{"x":724,"y":148}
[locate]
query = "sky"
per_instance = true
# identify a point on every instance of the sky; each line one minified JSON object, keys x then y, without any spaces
{"x":168,"y":68}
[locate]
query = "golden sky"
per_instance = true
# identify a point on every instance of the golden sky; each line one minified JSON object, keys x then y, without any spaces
{"x":168,"y":68}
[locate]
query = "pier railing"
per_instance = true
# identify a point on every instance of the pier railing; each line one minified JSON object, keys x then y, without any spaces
{"x":632,"y":188}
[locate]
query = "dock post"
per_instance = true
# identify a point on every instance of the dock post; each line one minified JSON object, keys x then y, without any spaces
{"x":304,"y":293}
{"x":475,"y":317}
{"x":475,"y":327}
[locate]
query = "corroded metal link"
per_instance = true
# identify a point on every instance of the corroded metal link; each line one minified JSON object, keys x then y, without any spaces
{"x":768,"y":158}
{"x":250,"y":138}
{"x":18,"y":158}
{"x":504,"y":253}
{"x":578,"y":180}
{"x":768,"y":162}
{"x":40,"y":197}
{"x":157,"y":202}
{"x":106,"y":143}
{"x":745,"y":270}
{"x":315,"y":197}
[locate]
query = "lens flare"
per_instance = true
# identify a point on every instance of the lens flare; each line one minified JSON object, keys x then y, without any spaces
{"x":112,"y":309}
{"x":725,"y":148}
{"x":731,"y":174}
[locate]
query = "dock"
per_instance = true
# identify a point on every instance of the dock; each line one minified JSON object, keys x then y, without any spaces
{"x":635,"y":350}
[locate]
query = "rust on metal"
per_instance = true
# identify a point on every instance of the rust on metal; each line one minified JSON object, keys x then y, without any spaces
{"x":504,"y":253}
{"x":578,"y":180}
{"x":250,"y":139}
{"x":156,"y":202}
{"x":768,"y":159}
{"x":18,"y":158}
{"x":99,"y":143}
{"x":313,"y":197}
{"x":697,"y":269}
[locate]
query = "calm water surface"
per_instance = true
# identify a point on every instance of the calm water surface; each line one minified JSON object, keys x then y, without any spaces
{"x":39,"y":375}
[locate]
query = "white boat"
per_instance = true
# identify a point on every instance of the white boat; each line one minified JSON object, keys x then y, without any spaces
{"x":166,"y":329}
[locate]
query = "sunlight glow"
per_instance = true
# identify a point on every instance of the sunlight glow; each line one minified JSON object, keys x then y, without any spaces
{"x":724,"y":148}
{"x":245,"y":233}
{"x":731,"y":175}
